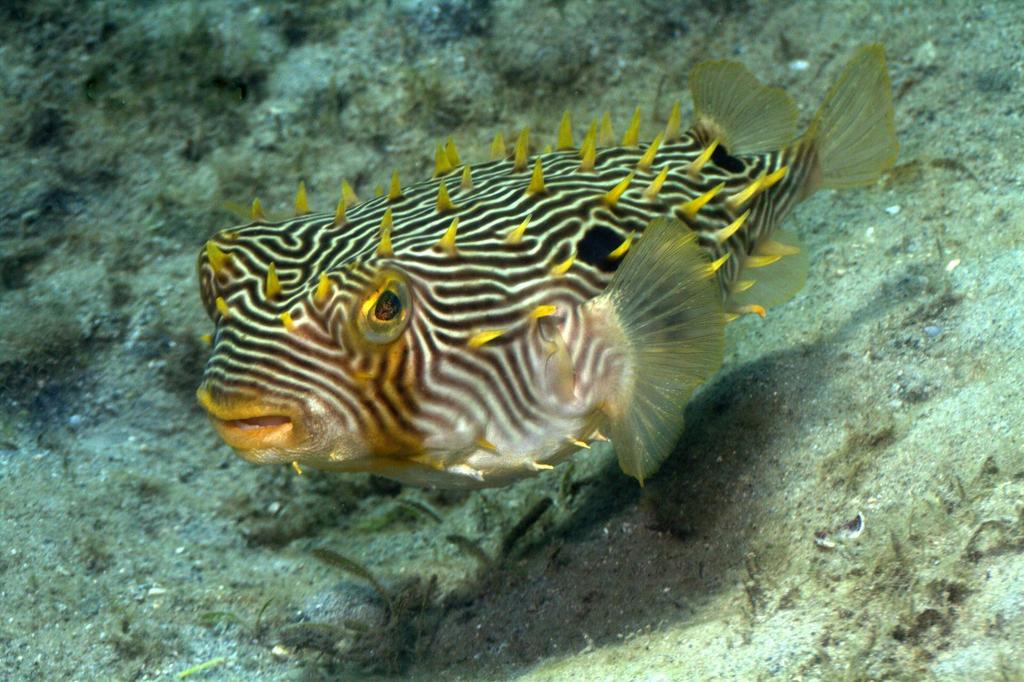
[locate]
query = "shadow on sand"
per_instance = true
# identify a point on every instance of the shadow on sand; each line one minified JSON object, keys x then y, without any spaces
{"x":631,"y":558}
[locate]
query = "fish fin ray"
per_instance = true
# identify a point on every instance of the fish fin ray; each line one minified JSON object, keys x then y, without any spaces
{"x":664,"y":306}
{"x":854,"y":132}
{"x":780,"y":281}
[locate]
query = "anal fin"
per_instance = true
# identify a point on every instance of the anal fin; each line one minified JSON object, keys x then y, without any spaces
{"x":776,"y":283}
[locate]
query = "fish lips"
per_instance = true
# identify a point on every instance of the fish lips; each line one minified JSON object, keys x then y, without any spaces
{"x":259,"y":430}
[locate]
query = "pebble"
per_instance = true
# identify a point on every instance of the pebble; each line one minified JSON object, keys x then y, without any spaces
{"x":932,"y":331}
{"x":926,"y":55}
{"x":894,"y":209}
{"x":799,"y":65}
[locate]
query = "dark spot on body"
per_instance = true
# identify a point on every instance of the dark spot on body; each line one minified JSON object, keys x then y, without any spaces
{"x":724,"y":160}
{"x":595,"y":246}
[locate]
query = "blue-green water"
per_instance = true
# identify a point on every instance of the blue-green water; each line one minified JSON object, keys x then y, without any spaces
{"x":134,"y":545}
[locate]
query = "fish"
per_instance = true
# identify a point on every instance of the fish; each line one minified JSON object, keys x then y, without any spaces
{"x":484,"y":325}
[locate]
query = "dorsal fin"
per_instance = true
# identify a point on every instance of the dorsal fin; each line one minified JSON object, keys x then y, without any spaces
{"x":730,"y":104}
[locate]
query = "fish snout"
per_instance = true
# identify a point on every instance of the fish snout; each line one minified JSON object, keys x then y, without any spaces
{"x":259,"y":430}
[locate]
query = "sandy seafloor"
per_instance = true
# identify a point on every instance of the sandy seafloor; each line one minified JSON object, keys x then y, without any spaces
{"x":134,"y":545}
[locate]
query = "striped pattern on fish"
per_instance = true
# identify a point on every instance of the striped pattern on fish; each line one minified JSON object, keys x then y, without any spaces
{"x":483,"y":325}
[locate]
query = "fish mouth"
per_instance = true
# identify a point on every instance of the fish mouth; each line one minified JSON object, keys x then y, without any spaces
{"x":259,"y":431}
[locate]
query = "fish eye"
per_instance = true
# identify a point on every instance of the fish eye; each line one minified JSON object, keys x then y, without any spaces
{"x":385,"y":311}
{"x":388,"y":306}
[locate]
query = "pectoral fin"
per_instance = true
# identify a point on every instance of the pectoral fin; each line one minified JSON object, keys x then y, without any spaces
{"x":663,"y":310}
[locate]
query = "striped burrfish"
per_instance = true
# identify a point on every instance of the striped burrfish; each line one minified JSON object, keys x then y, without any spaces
{"x":483,"y":325}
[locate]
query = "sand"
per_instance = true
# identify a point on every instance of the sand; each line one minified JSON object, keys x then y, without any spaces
{"x":134,"y":545}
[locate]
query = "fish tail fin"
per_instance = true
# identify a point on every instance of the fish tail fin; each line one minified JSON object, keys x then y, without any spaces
{"x":853,"y":135}
{"x":663,"y":310}
{"x":744,"y":115}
